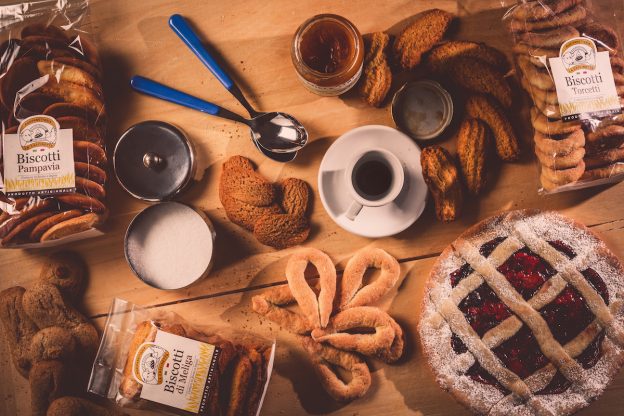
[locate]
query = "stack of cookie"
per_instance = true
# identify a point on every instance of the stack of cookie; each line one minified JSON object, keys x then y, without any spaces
{"x":73,"y":96}
{"x":567,"y":151}
{"x":277,"y":215}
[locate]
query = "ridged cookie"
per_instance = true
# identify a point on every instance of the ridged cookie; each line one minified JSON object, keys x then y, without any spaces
{"x":376,"y":76}
{"x":420,"y":36}
{"x":442,"y":54}
{"x":477,"y":76}
{"x":442,"y":178}
{"x":281,"y":231}
{"x":240,"y":180}
{"x":487,"y":109}
{"x":473,"y":140}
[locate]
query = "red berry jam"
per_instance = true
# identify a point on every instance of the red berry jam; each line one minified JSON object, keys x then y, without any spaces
{"x":567,"y":316}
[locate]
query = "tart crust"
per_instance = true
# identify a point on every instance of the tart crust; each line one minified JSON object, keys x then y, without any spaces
{"x":528,"y":228}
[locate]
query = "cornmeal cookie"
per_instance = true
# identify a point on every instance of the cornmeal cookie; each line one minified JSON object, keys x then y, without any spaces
{"x":539,"y":10}
{"x":557,"y":162}
{"x":559,"y":145}
{"x":376,"y":76}
{"x":442,"y":54}
{"x":552,"y":127}
{"x":477,"y":76}
{"x":487,"y":109}
{"x":606,"y":157}
{"x":420,"y":36}
{"x":550,"y":38}
{"x":571,"y":17}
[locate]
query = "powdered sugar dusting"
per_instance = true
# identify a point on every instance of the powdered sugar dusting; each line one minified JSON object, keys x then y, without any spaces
{"x":449,"y":366}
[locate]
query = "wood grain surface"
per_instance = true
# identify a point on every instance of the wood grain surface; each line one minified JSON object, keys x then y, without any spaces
{"x":253,"y":38}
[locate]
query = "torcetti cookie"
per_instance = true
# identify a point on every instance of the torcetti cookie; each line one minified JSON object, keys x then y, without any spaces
{"x":570,"y":65}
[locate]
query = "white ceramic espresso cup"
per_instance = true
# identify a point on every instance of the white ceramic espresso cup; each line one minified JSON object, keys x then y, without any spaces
{"x":361,"y":200}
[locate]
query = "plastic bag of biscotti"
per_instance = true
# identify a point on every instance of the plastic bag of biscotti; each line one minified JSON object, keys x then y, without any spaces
{"x":569,"y":60}
{"x":158,"y":361}
{"x":53,"y":165}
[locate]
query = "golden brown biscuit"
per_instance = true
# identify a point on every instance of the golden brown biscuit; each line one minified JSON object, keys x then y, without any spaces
{"x":559,"y":145}
{"x":608,"y":137}
{"x":86,"y":66}
{"x":281,"y":231}
{"x":19,"y":329}
{"x":48,"y":381}
{"x":90,"y":153}
{"x":545,"y":9}
{"x":240,"y":387}
{"x":52,"y":343}
{"x":22,"y":231}
{"x":487,"y":109}
{"x":376,"y":76}
{"x":67,"y":271}
{"x":295,"y":196}
{"x":604,"y":158}
{"x":82,"y":201}
{"x":81,"y":129}
{"x":550,"y":38}
{"x":536,"y":77}
{"x":442,"y":178}
{"x":603,"y":172}
{"x":72,"y":226}
{"x":74,"y":94}
{"x":69,"y":73}
{"x":49,"y":222}
{"x":473,"y":139}
{"x":90,"y":188}
{"x":442,"y":54}
{"x":477,"y":76}
{"x":552,"y":127}
{"x":539,"y":55}
{"x":420,"y":36}
{"x":558,"y":162}
{"x":563,"y":176}
{"x":240,"y":180}
{"x":243,"y":214}
{"x":91,"y":172}
{"x":21,"y":72}
{"x":572,"y":17}
{"x":603,"y":35}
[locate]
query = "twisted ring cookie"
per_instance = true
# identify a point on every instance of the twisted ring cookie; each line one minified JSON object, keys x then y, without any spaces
{"x":538,"y":10}
{"x":558,"y":162}
{"x":552,"y":127}
{"x":608,"y":137}
{"x":317,"y":310}
{"x":272,"y":303}
{"x":550,"y":38}
{"x":325,"y":358}
{"x":603,"y":35}
{"x":604,"y":158}
{"x":338,"y":332}
{"x":559,"y":145}
{"x":534,"y":76}
{"x":571,"y":17}
{"x":604,"y":172}
{"x":561,"y":177}
{"x":392,"y":354}
{"x":352,"y":293}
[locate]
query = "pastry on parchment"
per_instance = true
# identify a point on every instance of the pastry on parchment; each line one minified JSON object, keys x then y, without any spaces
{"x":442,"y":178}
{"x":419,"y":37}
{"x":473,"y":140}
{"x":489,"y":110}
{"x":376,"y":76}
{"x":442,"y":54}
{"x":572,"y":17}
{"x":477,"y":76}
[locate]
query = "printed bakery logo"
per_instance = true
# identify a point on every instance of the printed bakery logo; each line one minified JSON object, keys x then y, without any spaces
{"x":38,"y":131}
{"x":579,"y":54}
{"x":149,"y":364}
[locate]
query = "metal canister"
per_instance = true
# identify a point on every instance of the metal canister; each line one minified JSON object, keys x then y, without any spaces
{"x":154,"y":161}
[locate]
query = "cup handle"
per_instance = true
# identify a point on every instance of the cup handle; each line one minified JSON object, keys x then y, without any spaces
{"x":353,"y":210}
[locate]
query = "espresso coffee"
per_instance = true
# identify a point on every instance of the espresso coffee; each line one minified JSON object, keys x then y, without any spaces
{"x":372,"y":179}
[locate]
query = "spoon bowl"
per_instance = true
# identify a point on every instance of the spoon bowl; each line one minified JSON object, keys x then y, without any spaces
{"x":278,"y":132}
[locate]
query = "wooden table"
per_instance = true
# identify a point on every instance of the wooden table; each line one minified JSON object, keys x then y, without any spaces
{"x":254,"y":38}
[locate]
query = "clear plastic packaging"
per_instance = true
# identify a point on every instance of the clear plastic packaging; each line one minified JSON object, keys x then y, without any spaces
{"x":156,"y":360}
{"x":53,"y":162}
{"x":568,"y":56}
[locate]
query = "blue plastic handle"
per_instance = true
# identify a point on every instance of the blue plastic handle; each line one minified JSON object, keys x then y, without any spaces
{"x":184,"y":31}
{"x":155,"y":89}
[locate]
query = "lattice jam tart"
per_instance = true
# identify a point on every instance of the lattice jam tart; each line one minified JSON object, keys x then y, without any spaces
{"x":523,"y":316}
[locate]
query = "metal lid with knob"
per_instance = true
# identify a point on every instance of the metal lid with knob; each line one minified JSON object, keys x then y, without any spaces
{"x":154,"y":161}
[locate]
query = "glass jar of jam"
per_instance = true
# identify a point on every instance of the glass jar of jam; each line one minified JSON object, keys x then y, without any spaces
{"x":328,"y":53}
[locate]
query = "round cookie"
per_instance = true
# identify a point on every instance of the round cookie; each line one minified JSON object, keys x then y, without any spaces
{"x":537,"y":10}
{"x":563,"y":146}
{"x":571,"y":17}
{"x":552,"y":127}
{"x":563,"y":176}
{"x":557,"y":162}
{"x":604,"y":158}
{"x":550,"y":38}
{"x":535,"y":77}
{"x":604,"y":172}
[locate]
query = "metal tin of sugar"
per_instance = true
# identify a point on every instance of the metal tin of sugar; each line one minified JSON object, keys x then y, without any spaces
{"x":170,"y":245}
{"x":422,"y":109}
{"x":154,"y":161}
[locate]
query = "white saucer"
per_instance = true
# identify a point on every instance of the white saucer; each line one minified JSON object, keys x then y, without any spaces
{"x":372,"y":222}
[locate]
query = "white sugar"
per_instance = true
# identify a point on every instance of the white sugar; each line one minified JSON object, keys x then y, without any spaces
{"x":169,"y":246}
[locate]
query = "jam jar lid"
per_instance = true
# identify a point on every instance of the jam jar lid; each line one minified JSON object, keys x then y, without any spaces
{"x":154,"y":161}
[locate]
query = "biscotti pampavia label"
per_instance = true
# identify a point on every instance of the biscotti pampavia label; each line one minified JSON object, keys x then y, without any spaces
{"x":38,"y":159}
{"x":176,"y":371}
{"x":584,"y":81}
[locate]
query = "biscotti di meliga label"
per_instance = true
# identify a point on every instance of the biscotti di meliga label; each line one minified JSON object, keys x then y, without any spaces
{"x":176,"y":371}
{"x":38,"y":159}
{"x":584,"y":81}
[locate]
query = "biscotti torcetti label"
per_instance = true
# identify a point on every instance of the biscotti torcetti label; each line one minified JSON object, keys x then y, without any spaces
{"x":38,"y":159}
{"x":584,"y":81}
{"x":176,"y":371}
